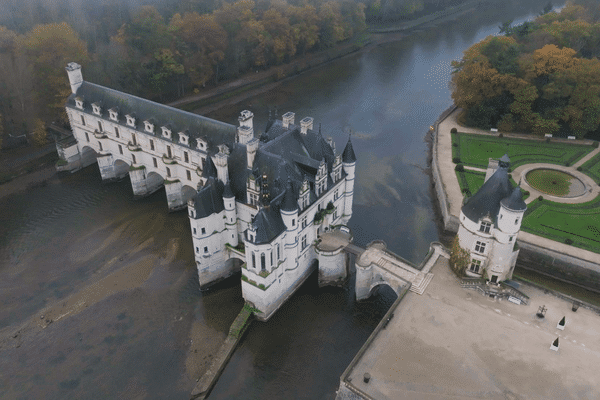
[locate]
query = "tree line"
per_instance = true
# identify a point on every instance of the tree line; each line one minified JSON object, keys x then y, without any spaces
{"x":160,"y":51}
{"x":542,"y":76}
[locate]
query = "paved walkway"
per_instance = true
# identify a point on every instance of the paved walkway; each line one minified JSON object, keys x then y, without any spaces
{"x":455,"y":197}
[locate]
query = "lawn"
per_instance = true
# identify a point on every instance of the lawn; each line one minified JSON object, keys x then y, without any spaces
{"x":475,"y":150}
{"x":575,"y":224}
{"x":550,"y":181}
{"x":471,"y":181}
{"x":592,"y":168}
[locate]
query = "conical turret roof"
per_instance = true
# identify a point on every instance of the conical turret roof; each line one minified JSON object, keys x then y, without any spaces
{"x":209,"y":168}
{"x":289,"y":202}
{"x":348,"y":155}
{"x":227,"y":192}
{"x":487,"y":199}
{"x":515,"y":201}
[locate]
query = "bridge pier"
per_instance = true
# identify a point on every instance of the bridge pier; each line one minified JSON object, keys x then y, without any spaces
{"x":144,"y":184}
{"x":333,"y":267}
{"x":111,"y":170}
{"x":174,"y":195}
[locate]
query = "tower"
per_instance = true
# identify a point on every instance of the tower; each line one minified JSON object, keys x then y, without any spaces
{"x":349,"y":163}
{"x":230,"y":216}
{"x":289,"y":214}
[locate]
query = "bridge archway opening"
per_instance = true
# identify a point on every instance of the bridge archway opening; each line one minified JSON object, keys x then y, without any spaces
{"x":121,"y":168}
{"x":154,"y":179}
{"x":381,"y":298}
{"x":187,"y":192}
{"x":88,"y":156}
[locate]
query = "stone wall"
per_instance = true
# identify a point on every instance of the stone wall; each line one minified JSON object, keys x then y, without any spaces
{"x":451,"y":222}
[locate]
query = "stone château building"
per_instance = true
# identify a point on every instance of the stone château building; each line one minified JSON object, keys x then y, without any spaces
{"x":255,"y":202}
{"x":489,"y":224}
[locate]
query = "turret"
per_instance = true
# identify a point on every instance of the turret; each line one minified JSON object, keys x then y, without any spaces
{"x":75,"y":76}
{"x":289,"y":214}
{"x":230,"y":216}
{"x":349,"y":163}
{"x":511,"y":212}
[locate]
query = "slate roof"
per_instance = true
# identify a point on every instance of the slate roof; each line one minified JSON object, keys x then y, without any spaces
{"x":209,"y":169}
{"x":289,"y":202}
{"x":209,"y":200}
{"x":348,"y":155}
{"x":487,"y":199}
{"x":515,"y":201}
{"x":212,"y":131}
{"x":268,"y":224}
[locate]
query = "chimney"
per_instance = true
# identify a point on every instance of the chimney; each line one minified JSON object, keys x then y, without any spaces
{"x":75,"y":76}
{"x":288,"y":119}
{"x":220,"y":161}
{"x":331,"y":143}
{"x":306,"y":124}
{"x":251,"y":148}
{"x":246,"y":129}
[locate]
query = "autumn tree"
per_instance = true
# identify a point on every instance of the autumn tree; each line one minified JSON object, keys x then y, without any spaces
{"x":39,"y":133}
{"x":459,"y":257}
{"x":49,"y":48}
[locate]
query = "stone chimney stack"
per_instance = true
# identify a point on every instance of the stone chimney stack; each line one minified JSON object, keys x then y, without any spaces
{"x":251,"y":148}
{"x":288,"y":119}
{"x":75,"y":76}
{"x":306,"y":124}
{"x":245,"y":131}
{"x":220,"y":161}
{"x":331,"y":143}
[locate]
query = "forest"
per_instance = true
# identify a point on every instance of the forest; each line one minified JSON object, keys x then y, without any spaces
{"x":540,"y":77}
{"x":161,"y":50}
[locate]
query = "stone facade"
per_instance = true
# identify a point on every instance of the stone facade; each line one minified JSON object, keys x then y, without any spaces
{"x":255,"y":203}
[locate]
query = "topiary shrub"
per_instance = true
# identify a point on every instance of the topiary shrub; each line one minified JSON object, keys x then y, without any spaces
{"x":579,"y":169}
{"x":454,"y":144}
{"x":568,"y":241}
{"x":456,"y":160}
{"x":459,"y":168}
{"x":453,"y":130}
{"x":567,"y":164}
{"x":541,"y":198}
{"x":500,"y":135}
{"x":526,"y":193}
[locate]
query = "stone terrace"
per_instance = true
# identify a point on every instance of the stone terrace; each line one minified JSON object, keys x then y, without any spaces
{"x":452,"y":343}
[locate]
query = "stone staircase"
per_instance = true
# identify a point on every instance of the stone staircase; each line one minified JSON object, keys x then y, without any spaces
{"x":418,"y":279}
{"x":419,"y":288}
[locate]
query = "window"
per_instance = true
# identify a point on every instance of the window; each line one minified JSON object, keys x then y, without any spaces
{"x":480,"y":247}
{"x":206,"y":249}
{"x":87,"y":137}
{"x":100,"y":125}
{"x":100,"y":146}
{"x":120,"y":149}
{"x":294,"y":222}
{"x":516,"y":221}
{"x":475,"y":265}
{"x":203,"y":231}
{"x":336,"y":194}
{"x":133,"y":139}
{"x":113,"y":114}
{"x":133,"y":158}
{"x":253,"y":199}
{"x":197,"y":250}
{"x":169,"y":154}
{"x":262,"y":262}
{"x":335,"y":215}
{"x":168,"y":172}
{"x":303,"y":242}
{"x":510,"y":239}
{"x":151,"y":144}
{"x":82,"y":120}
{"x":194,"y":231}
{"x":253,"y":260}
{"x":278,"y":252}
{"x":154,"y":162}
{"x":485,"y":227}
{"x":186,"y":157}
{"x":271,"y":255}
{"x":303,"y":222}
{"x":117,"y":132}
{"x":189,"y":175}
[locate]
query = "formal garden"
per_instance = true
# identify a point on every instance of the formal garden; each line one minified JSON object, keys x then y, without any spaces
{"x":574,"y":224}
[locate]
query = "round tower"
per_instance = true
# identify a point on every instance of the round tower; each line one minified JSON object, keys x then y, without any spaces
{"x":349,"y":163}
{"x":289,"y":214}
{"x":511,"y":212}
{"x":230,"y":216}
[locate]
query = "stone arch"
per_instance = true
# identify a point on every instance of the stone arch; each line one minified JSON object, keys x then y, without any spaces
{"x":376,"y":287}
{"x":154,"y":179}
{"x":121,"y":168}
{"x":87,"y":155}
{"x":187,"y":192}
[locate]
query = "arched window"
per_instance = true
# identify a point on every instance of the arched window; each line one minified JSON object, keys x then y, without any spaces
{"x":262,"y":262}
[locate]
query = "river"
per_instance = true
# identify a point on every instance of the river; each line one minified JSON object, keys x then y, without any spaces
{"x":99,"y":293}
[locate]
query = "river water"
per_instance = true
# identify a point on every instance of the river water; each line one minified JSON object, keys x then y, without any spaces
{"x":116,"y":276}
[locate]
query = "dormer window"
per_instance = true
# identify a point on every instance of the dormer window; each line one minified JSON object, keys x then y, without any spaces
{"x":149,"y":126}
{"x":201,"y":144}
{"x":485,"y":227}
{"x":183,"y":138}
{"x":130,"y":120}
{"x":113,"y":114}
{"x":96,"y":109}
{"x":79,"y":103}
{"x":166,"y":132}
